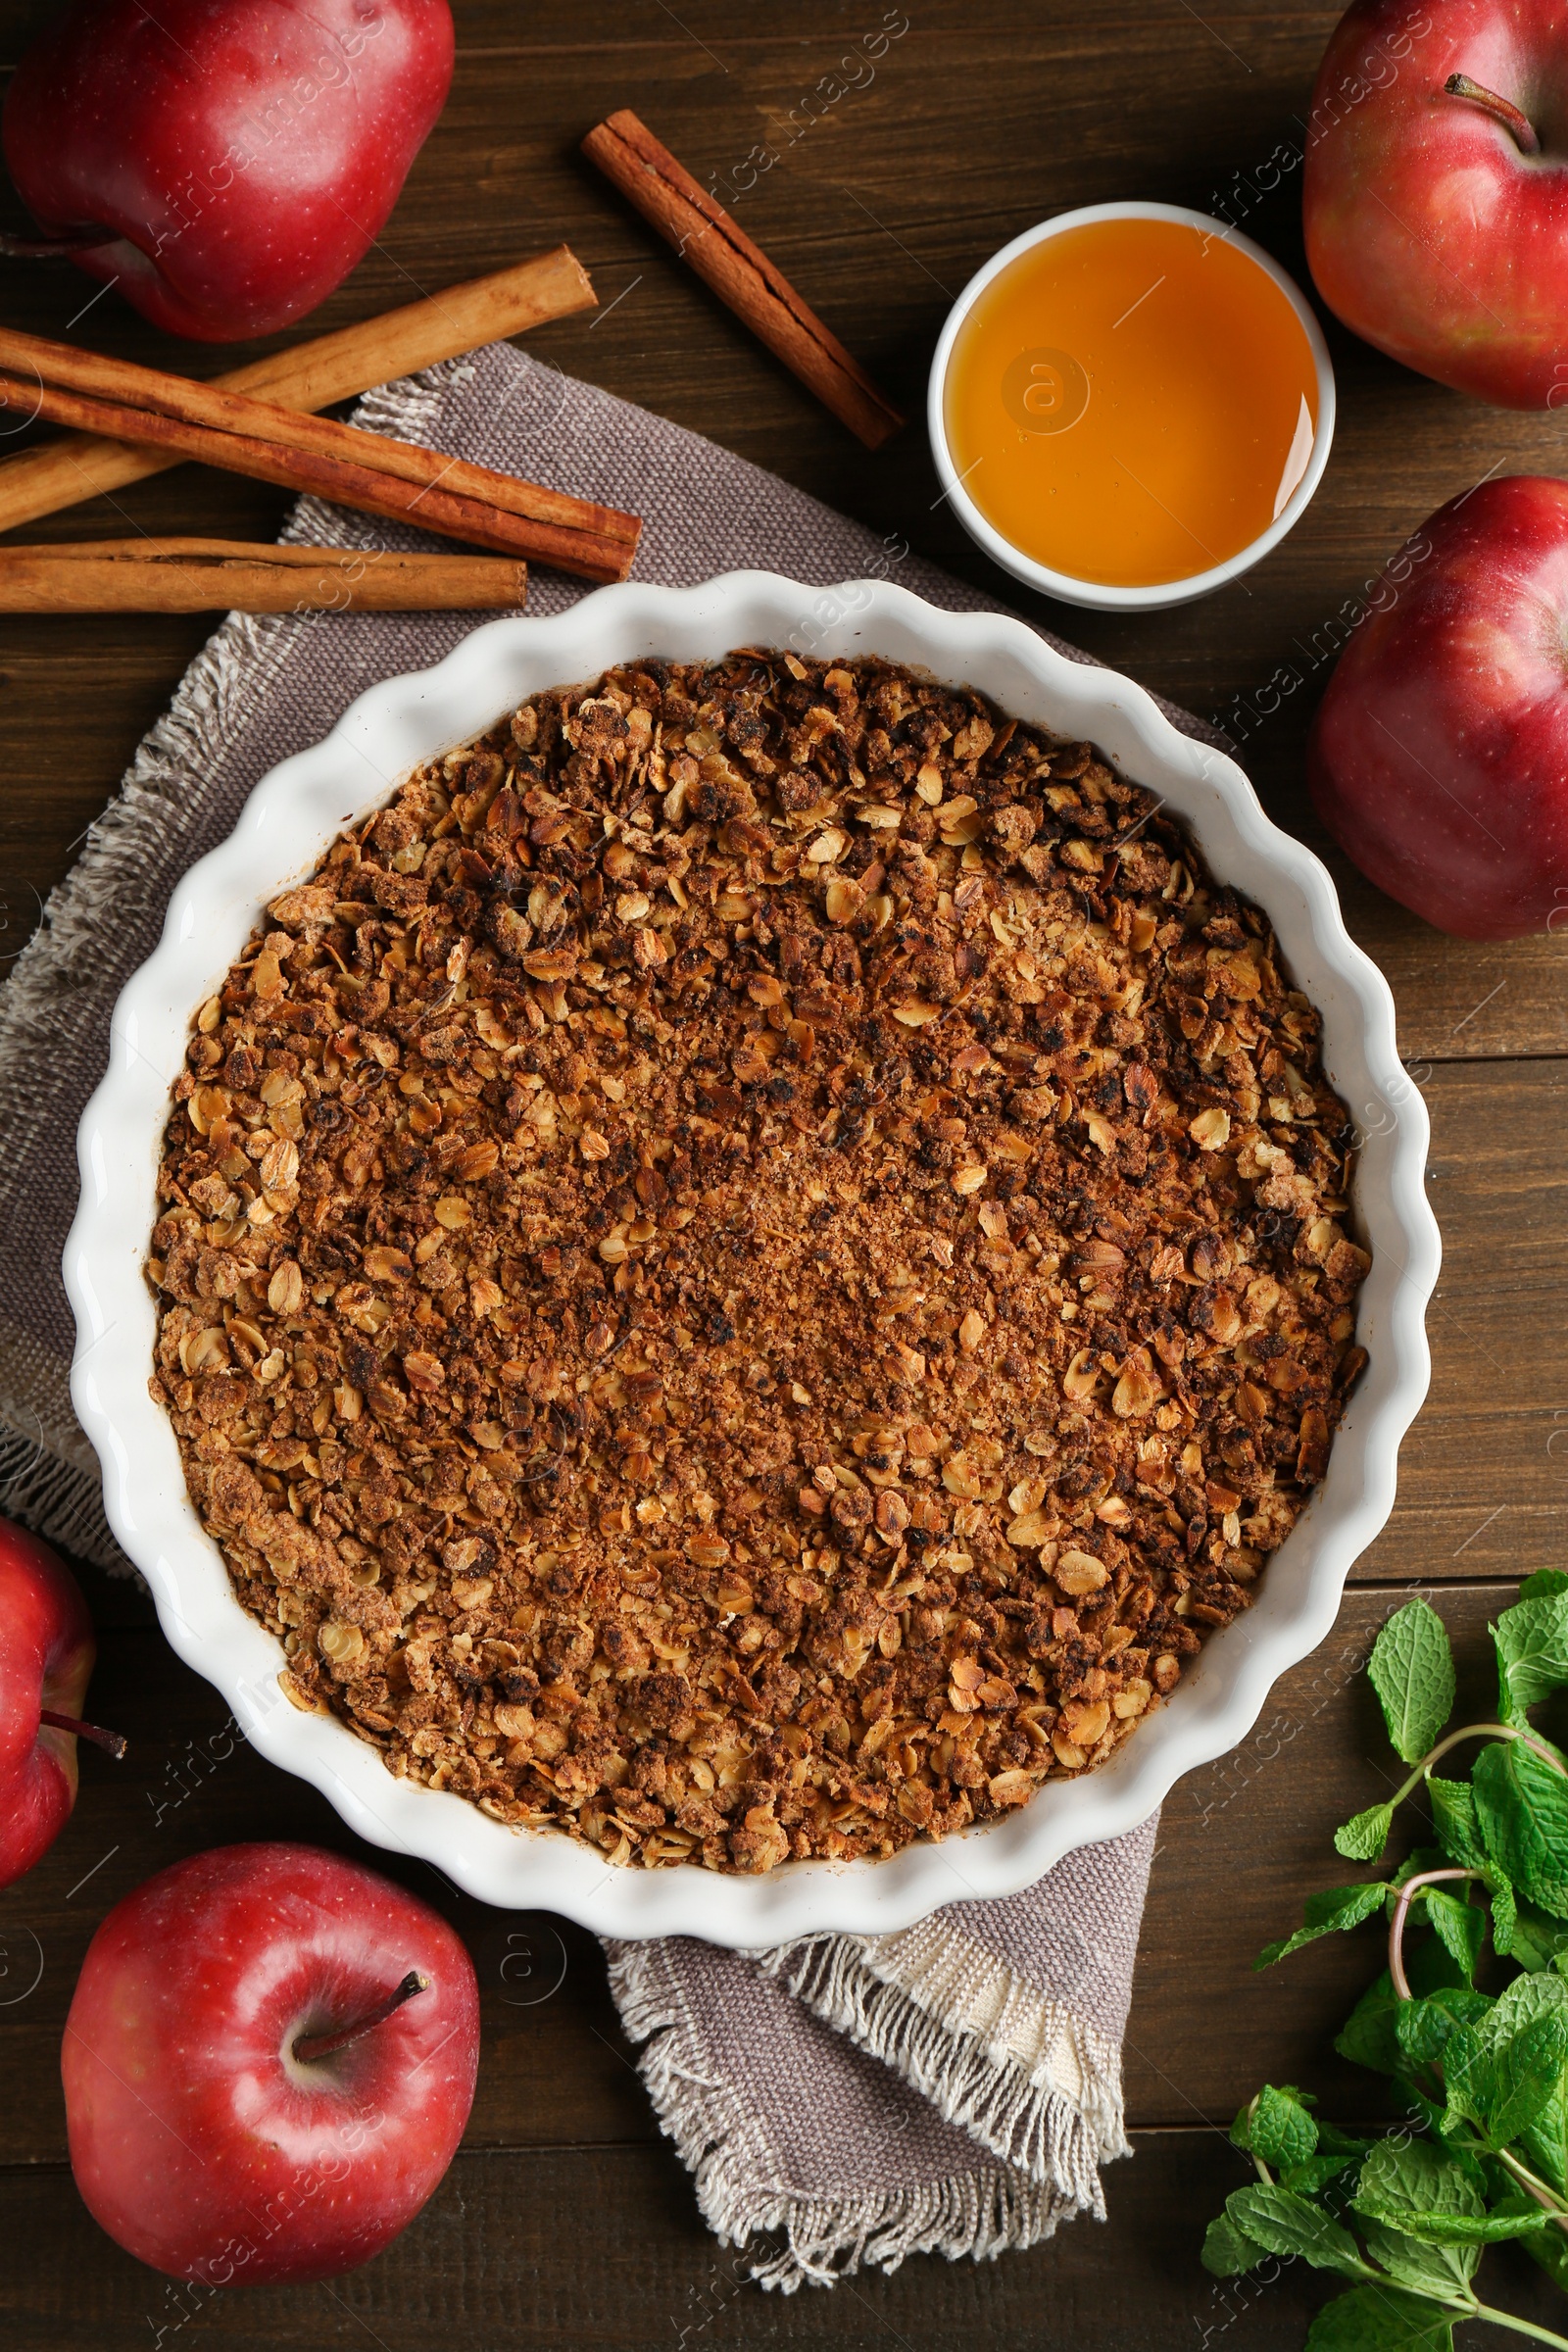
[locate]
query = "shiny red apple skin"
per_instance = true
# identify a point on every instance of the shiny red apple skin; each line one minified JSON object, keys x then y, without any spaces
{"x":246,"y":153}
{"x":47,"y":1655}
{"x":196,"y":2140}
{"x":1439,"y":755}
{"x":1427,"y":231}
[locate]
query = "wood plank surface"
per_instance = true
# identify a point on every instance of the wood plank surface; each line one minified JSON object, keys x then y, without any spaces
{"x":1484,"y":1474}
{"x":490,"y":2265}
{"x":567,"y":2220}
{"x":599,"y":2250}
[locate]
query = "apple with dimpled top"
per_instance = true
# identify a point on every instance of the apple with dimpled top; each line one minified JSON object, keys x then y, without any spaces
{"x":1435,"y":198}
{"x":268,"y":2063}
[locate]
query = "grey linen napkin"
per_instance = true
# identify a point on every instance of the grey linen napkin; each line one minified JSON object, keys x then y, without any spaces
{"x":844,"y":2100}
{"x":951,"y":2089}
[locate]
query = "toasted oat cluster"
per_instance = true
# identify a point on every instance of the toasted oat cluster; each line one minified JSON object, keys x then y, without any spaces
{"x":750,"y":1266}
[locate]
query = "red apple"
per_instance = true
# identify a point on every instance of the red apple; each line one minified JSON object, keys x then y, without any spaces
{"x":1438,"y":757}
{"x":239,"y":156}
{"x":216,"y":2132}
{"x":47,"y":1655}
{"x":1435,"y":189}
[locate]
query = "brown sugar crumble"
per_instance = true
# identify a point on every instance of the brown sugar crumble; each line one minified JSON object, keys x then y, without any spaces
{"x":750,"y":1266}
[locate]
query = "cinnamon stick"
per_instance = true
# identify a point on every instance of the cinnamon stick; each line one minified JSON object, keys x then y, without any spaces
{"x":395,"y":479}
{"x":221,"y":575}
{"x":316,"y":374}
{"x":739,"y":272}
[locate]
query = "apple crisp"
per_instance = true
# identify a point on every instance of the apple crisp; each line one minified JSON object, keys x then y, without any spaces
{"x":750,"y":1266}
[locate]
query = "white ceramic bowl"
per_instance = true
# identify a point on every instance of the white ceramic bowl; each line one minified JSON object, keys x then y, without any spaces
{"x":290,"y":818}
{"x":1098,"y":594}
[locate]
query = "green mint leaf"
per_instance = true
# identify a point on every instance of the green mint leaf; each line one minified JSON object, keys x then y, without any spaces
{"x":1458,"y":2141}
{"x":1504,"y":1914}
{"x":1412,"y":2188}
{"x":1467,"y":2077}
{"x":1550,"y":2249}
{"x":1283,"y":2222}
{"x":1544,"y":2141}
{"x":1504,"y":2086}
{"x":1263,"y":2104}
{"x":1544,"y":1585}
{"x":1462,"y":1928}
{"x":1411,"y":1669}
{"x":1529,"y":2069}
{"x":1362,"y":1838}
{"x":1227,"y":2250}
{"x":1423,"y":2027}
{"x":1402,"y":2177}
{"x":1532,"y":1642}
{"x":1431,"y":1967}
{"x":1544,"y":2138}
{"x":1522,"y":1808}
{"x":1454,"y":1817}
{"x":1538,"y":1941}
{"x":1476,"y":2228}
{"x":1325,"y":1913}
{"x":1381,"y":2319}
{"x":1370,"y":2034}
{"x":1427,"y":2270}
{"x":1519,"y":2004}
{"x":1283,"y":2132}
{"x":1309,"y":2179}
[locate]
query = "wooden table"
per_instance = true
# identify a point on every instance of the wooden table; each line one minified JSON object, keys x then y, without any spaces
{"x":565,"y":2219}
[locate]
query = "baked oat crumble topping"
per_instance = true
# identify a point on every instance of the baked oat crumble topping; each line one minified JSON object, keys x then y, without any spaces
{"x":750,"y":1266}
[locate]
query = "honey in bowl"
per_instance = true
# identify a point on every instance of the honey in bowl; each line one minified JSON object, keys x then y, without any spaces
{"x":1130,"y":401}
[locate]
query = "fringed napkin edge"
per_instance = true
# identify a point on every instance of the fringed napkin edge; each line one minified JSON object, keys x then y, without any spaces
{"x":996,"y":2207}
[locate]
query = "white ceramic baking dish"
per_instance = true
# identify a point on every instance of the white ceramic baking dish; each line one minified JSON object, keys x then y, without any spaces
{"x":288,"y":820}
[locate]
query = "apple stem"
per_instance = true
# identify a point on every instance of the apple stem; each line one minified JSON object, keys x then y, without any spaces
{"x":1501,"y":110}
{"x":112,"y":1742}
{"x":310,"y":2046}
{"x":48,"y":249}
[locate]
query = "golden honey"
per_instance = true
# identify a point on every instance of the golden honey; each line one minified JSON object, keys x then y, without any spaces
{"x":1130,"y":401}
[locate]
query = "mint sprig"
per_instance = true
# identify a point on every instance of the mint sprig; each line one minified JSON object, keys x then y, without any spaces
{"x":1469,"y":2018}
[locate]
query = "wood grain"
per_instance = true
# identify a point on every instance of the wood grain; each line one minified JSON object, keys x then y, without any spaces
{"x":601,"y":2250}
{"x":1484,"y":1474}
